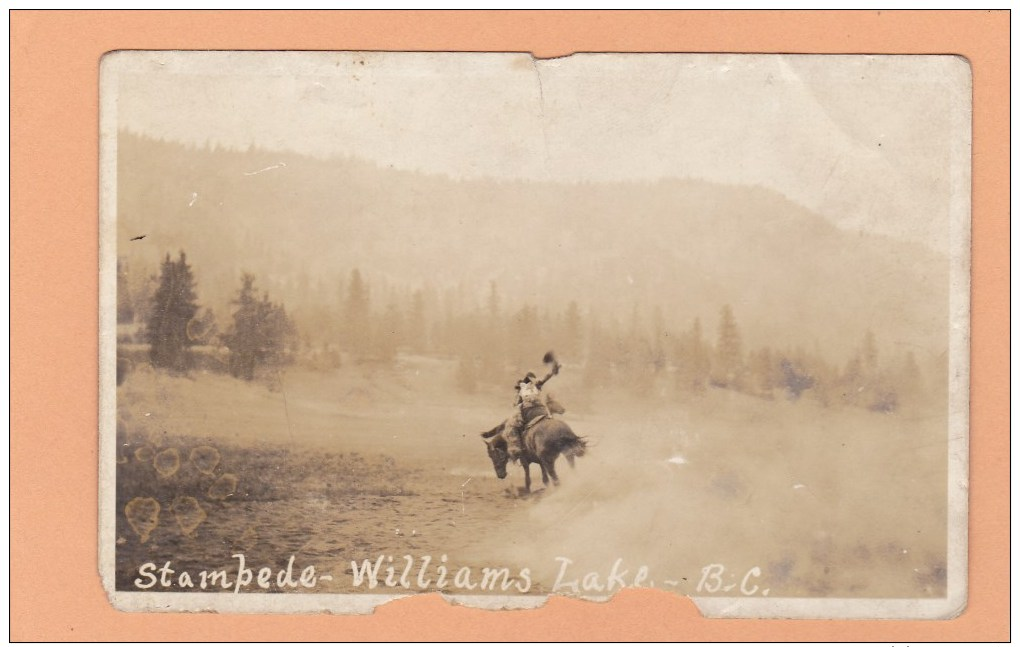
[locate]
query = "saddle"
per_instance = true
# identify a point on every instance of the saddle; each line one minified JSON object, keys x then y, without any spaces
{"x":534,"y":421}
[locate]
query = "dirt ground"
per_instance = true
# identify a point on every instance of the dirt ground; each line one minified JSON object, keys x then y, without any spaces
{"x":780,"y":498}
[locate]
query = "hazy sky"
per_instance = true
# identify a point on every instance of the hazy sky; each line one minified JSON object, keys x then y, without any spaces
{"x":868,"y":142}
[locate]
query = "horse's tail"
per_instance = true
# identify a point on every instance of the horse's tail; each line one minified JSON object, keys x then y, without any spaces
{"x":575,"y":447}
{"x":563,"y":438}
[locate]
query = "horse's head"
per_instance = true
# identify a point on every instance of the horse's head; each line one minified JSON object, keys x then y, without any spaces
{"x":495,"y":445}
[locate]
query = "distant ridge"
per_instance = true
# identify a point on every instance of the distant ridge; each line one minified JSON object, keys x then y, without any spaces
{"x":686,"y":246}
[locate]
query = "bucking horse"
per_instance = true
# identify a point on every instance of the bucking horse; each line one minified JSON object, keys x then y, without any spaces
{"x":543,"y":442}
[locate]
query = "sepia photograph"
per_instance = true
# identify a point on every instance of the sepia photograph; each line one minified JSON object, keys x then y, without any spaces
{"x":375,"y":324}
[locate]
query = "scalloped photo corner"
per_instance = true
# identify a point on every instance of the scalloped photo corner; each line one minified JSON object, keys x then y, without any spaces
{"x":377,"y":324}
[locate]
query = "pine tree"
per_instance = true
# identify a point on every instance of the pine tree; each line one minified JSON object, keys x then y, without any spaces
{"x":729,"y":362}
{"x":279,"y":334}
{"x":243,"y":340}
{"x":174,"y":305}
{"x":261,"y":332}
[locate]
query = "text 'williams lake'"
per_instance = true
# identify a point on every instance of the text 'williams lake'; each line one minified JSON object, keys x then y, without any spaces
{"x":386,"y":571}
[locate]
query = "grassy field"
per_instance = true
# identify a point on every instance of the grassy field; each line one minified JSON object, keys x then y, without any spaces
{"x":361,"y":462}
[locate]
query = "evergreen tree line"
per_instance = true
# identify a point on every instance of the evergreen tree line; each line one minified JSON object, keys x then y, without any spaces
{"x":794,"y":373}
{"x":493,"y":343}
{"x":260,"y":336}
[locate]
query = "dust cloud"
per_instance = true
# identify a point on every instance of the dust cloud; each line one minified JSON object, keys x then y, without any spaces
{"x":822,"y":503}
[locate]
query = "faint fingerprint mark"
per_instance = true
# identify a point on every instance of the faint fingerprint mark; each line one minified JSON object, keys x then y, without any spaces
{"x":197,"y":330}
{"x":143,"y":516}
{"x":189,"y":513}
{"x":223,"y":487}
{"x":144,"y":454}
{"x":167,"y":462}
{"x":205,"y":458}
{"x":248,"y":539}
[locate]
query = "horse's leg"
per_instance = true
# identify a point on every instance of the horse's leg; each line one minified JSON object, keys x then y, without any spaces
{"x":570,"y":460}
{"x":527,"y":476}
{"x":545,"y":474}
{"x":552,"y":471}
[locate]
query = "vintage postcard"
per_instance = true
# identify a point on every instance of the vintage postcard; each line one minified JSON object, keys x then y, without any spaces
{"x":376,"y":324}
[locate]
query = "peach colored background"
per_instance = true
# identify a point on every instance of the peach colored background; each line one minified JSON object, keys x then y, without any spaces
{"x":55,"y":588}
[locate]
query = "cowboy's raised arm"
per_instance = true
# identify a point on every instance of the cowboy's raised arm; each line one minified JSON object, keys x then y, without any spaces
{"x":554,"y":371}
